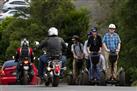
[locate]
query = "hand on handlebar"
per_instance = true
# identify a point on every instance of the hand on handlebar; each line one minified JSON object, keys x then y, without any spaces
{"x":36,"y":43}
{"x":117,"y":50}
{"x":108,"y":50}
{"x":113,"y":51}
{"x":75,"y":57}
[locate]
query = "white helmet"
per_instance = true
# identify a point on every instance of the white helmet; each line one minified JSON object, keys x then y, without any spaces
{"x":24,"y":42}
{"x":53,"y":31}
{"x":112,"y":26}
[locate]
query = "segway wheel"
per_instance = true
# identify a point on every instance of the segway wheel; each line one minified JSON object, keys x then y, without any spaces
{"x":103,"y":78}
{"x":122,"y":78}
{"x":83,"y":78}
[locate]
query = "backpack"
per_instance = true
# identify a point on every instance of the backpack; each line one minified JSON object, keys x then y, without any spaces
{"x":79,"y":47}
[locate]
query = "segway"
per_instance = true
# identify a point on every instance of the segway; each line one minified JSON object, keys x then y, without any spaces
{"x":120,"y":79}
{"x":93,"y":76}
{"x":75,"y":81}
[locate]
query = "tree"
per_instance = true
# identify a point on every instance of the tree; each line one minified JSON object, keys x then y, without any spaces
{"x":45,"y":14}
{"x":128,"y":25}
{"x":61,"y":14}
{"x":124,"y":16}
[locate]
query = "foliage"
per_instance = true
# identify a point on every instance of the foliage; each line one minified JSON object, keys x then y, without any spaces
{"x":3,"y":25}
{"x":44,"y":14}
{"x":124,"y":15}
{"x":61,"y":14}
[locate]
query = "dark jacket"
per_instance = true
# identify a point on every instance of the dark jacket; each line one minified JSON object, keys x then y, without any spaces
{"x":94,"y":43}
{"x":53,"y":45}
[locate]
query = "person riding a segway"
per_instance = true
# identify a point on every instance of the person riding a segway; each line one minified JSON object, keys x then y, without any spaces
{"x":112,"y":43}
{"x":96,"y":71}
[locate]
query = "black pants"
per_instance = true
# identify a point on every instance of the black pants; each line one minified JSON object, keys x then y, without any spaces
{"x":88,"y":63}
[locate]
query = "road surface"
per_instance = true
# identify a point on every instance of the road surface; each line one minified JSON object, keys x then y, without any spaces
{"x":64,"y":88}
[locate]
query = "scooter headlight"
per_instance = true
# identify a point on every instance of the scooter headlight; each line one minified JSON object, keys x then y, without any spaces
{"x":26,"y":67}
{"x":48,"y":68}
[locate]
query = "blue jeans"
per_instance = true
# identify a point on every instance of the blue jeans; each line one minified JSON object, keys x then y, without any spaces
{"x":44,"y":60}
{"x":88,"y":63}
{"x":94,"y":72}
{"x":63,"y":59}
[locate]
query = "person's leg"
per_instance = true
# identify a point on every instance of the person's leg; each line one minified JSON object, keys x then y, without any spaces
{"x":79,"y":66}
{"x":108,"y":65}
{"x":18,"y":71}
{"x":98,"y":75}
{"x":74,"y":68}
{"x":42,"y":62}
{"x":88,"y":63}
{"x":63,"y":59}
{"x":115,"y":70}
{"x":31,"y":72}
{"x":91,"y":71}
{"x":99,"y":67}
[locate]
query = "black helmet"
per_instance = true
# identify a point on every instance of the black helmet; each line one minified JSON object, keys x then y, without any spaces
{"x":94,"y":29}
{"x":75,"y":37}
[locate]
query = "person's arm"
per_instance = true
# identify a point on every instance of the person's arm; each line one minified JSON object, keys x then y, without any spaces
{"x":85,"y":49}
{"x":42,"y":44}
{"x":119,"y":44}
{"x":105,"y":47}
{"x":72,"y":50}
{"x":64,"y":47}
{"x":100,"y":44}
{"x":104,"y":43}
{"x":17,"y":56}
{"x":63,"y":44}
{"x":88,"y":45}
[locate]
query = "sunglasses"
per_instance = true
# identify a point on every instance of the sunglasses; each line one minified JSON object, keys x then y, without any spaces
{"x":112,"y":28}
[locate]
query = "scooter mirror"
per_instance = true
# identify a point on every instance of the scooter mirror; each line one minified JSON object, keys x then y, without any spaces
{"x":13,"y":57}
{"x":37,"y":43}
{"x":66,"y":44}
{"x":34,"y":58}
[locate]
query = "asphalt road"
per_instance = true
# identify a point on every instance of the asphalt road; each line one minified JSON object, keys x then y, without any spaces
{"x":64,"y":88}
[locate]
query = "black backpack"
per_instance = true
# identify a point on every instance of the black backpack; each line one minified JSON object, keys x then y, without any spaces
{"x":24,"y":52}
